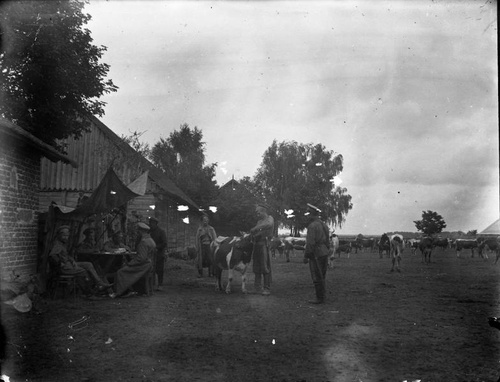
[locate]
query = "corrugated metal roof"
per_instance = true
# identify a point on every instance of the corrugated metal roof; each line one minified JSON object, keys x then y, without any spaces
{"x":94,"y":152}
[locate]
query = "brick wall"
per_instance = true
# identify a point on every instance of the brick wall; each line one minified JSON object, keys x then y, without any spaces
{"x":19,"y":183}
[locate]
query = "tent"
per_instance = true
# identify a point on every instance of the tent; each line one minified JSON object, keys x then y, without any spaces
{"x":492,"y":229}
{"x":107,"y":198}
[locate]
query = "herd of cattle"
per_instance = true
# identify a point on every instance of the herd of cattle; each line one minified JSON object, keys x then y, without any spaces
{"x":235,"y":253}
{"x":483,"y":245}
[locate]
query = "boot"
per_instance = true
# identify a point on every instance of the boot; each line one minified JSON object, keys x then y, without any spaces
{"x":320,"y":295}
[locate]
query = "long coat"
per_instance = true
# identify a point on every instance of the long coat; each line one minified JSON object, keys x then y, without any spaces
{"x":262,"y":233}
{"x":202,"y":231}
{"x":138,"y":266}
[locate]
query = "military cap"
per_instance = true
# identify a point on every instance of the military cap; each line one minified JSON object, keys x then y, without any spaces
{"x":63,"y":227}
{"x":313,"y":208}
{"x":143,"y":226}
{"x":262,"y":205}
{"x":88,"y":230}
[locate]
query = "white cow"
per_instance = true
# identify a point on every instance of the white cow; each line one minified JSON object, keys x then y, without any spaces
{"x":334,"y":247}
{"x":413,"y":244}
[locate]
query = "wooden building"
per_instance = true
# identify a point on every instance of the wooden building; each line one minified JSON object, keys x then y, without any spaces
{"x":94,"y":153}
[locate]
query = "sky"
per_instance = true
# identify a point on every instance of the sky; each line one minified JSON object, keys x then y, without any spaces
{"x":407,"y":92}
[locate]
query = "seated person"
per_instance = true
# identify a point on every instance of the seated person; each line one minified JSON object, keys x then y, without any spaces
{"x":88,"y":244}
{"x":116,"y":244}
{"x":139,"y":265}
{"x":66,"y":264}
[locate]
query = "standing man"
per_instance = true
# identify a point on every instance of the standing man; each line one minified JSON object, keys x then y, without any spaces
{"x":160,"y":238}
{"x":316,"y":253}
{"x":204,"y":237}
{"x":262,"y":234}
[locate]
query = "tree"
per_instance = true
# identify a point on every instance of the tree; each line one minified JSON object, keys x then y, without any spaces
{"x":51,"y":77}
{"x":472,"y":232}
{"x":292,"y":175}
{"x":431,"y":223}
{"x":182,"y":158}
{"x":134,"y":140}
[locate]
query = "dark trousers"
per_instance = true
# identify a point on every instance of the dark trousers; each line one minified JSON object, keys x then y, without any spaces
{"x":160,"y":264}
{"x":206,"y":260}
{"x":318,"y":267}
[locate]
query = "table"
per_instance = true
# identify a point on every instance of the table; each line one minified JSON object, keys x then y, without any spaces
{"x":105,"y":263}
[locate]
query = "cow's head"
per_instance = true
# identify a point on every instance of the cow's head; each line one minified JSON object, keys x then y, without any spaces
{"x":245,"y":244}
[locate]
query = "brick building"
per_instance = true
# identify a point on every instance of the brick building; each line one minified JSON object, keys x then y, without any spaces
{"x":20,"y":154}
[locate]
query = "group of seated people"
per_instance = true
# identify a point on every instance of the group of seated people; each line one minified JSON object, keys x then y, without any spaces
{"x":133,"y":266}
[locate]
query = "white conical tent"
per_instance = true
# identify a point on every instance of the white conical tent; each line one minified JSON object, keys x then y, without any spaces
{"x":493,"y":229}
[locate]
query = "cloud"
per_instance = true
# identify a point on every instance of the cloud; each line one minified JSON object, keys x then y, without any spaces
{"x":407,"y":92}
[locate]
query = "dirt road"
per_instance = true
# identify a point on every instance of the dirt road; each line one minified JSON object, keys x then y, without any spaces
{"x":427,"y":323}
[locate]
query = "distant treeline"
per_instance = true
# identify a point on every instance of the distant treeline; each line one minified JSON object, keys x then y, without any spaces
{"x":414,"y":235}
{"x":407,"y":235}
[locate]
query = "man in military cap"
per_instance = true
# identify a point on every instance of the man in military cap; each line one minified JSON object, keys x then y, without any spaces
{"x":160,"y":238}
{"x":138,"y":265}
{"x":88,"y":244}
{"x":316,"y":252}
{"x":262,"y":234}
{"x":116,"y":244}
{"x":64,"y":263}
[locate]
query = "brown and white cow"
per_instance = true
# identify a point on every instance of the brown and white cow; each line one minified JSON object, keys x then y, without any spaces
{"x":384,"y":245}
{"x":426,"y":246}
{"x":344,"y":246}
{"x":489,"y":245}
{"x":232,"y":253}
{"x":365,"y":243}
{"x":293,"y":243}
{"x":278,"y":245}
{"x":465,"y":244}
{"x":441,"y":242}
{"x":397,"y":245}
{"x":414,"y":245}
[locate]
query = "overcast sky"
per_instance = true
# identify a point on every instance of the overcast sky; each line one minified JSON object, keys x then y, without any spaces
{"x":405,"y":91}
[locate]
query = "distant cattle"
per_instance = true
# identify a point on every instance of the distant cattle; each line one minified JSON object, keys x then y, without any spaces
{"x":293,"y":243}
{"x":344,"y":247}
{"x":397,"y":245}
{"x":355,"y":245}
{"x":384,"y":245}
{"x":426,"y":246}
{"x":489,"y":245}
{"x":414,"y":245}
{"x":278,"y":245}
{"x":334,"y":246}
{"x":232,"y":253}
{"x":441,"y":242}
{"x":465,"y":244}
{"x":365,"y":243}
